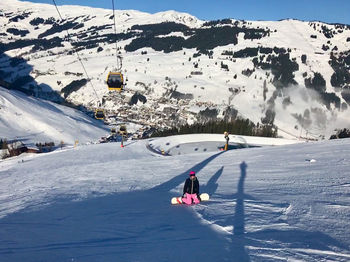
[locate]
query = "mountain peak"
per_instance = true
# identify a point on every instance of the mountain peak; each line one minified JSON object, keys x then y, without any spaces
{"x":265,"y":70}
{"x":180,"y":17}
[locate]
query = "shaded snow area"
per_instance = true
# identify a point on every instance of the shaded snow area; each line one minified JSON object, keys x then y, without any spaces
{"x":32,"y":120}
{"x":106,"y":203}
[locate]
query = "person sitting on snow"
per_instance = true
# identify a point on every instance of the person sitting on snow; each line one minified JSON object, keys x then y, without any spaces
{"x":191,"y":190}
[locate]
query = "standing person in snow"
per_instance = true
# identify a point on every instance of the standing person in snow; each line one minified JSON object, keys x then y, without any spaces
{"x":227,"y":139}
{"x":191,"y":190}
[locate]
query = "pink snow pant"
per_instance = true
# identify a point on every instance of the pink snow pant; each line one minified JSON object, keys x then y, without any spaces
{"x":187,"y":199}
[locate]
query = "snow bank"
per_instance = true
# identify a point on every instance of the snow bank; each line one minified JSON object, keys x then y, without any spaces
{"x":167,"y":143}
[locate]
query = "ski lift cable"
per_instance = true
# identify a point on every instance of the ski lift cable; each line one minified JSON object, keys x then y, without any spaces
{"x":115,"y":28}
{"x":119,"y":61}
{"x":76,"y":51}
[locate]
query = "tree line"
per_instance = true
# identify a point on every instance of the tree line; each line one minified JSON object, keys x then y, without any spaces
{"x":238,"y":126}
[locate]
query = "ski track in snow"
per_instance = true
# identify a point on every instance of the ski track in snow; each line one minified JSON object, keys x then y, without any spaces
{"x":103,"y":203}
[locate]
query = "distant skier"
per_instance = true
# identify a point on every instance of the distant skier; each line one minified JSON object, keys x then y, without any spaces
{"x":227,"y":138}
{"x":191,"y":190}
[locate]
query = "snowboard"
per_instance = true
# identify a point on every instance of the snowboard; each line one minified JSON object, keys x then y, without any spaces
{"x":177,"y":200}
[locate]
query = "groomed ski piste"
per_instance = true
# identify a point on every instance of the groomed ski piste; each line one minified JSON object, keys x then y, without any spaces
{"x":101,"y":202}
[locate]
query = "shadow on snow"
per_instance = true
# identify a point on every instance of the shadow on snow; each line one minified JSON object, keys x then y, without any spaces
{"x":126,"y":226}
{"x":143,"y":226}
{"x":272,"y":244}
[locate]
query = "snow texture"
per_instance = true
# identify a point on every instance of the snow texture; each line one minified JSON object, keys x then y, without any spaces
{"x":32,"y":120}
{"x":280,"y":200}
{"x":101,"y":202}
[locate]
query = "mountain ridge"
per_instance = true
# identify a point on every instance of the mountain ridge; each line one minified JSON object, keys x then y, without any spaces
{"x":252,"y":66}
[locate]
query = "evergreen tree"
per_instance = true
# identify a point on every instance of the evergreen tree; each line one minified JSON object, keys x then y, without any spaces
{"x":3,"y":144}
{"x":303,"y":59}
{"x":238,"y":126}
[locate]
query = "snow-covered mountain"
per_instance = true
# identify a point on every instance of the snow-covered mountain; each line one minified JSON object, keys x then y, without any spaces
{"x":106,"y":203}
{"x":32,"y":120}
{"x":292,"y":73}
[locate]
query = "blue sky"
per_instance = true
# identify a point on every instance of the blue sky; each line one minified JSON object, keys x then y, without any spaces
{"x":331,"y":11}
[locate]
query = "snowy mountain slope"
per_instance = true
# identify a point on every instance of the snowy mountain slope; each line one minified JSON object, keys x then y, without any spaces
{"x":103,"y":202}
{"x":38,"y":121}
{"x":184,"y":63}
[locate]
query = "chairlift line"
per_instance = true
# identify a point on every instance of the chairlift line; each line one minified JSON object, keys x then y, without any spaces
{"x":115,"y":78}
{"x":59,"y":14}
{"x":119,"y":58}
{"x":115,"y":34}
{"x":99,"y":113}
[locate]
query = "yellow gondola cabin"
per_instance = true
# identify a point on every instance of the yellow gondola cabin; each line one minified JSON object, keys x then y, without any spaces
{"x":115,"y":81}
{"x":99,"y":114}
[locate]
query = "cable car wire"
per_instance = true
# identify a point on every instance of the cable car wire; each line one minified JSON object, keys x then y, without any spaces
{"x":76,"y":51}
{"x":115,"y":78}
{"x":119,"y":60}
